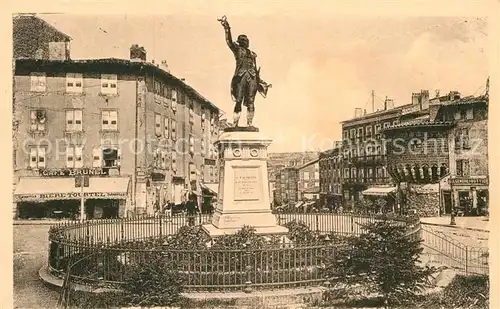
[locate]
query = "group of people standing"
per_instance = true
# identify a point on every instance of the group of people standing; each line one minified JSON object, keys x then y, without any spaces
{"x":189,"y":205}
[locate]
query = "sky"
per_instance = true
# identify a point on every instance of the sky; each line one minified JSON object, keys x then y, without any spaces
{"x":321,"y":67}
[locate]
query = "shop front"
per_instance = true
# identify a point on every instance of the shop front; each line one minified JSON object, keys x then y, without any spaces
{"x":61,"y":197}
{"x":470,"y":196}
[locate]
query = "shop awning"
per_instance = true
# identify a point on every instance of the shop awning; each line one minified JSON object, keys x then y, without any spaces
{"x":379,"y":191}
{"x":42,"y":189}
{"x":212,"y":188}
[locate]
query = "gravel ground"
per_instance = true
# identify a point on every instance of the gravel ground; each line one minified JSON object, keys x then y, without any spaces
{"x":30,"y":253}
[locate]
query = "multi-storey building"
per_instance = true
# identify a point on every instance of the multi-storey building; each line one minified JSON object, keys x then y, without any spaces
{"x":330,"y":178}
{"x":441,"y":161}
{"x":141,"y":133}
{"x":363,"y":153}
{"x":286,"y":186}
{"x":308,"y":182}
{"x":279,"y":160}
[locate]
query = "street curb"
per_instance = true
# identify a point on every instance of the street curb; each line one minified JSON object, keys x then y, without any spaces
{"x":54,"y":282}
{"x":455,"y":227}
{"x":23,"y":222}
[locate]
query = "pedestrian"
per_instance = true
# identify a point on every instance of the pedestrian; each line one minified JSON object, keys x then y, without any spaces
{"x":167,"y":209}
{"x":191,"y":207}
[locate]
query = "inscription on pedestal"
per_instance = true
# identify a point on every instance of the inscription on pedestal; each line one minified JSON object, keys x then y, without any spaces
{"x":246,"y":184}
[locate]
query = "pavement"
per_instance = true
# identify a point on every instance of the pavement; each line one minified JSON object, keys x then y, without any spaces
{"x":468,"y":223}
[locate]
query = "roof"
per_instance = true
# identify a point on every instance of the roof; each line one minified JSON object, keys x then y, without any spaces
{"x":377,"y":113}
{"x":423,"y":123}
{"x":309,"y":163}
{"x":468,"y":100}
{"x":33,"y":22}
{"x":107,"y":65}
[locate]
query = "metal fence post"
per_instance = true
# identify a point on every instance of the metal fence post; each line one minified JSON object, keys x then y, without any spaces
{"x":466,"y":260}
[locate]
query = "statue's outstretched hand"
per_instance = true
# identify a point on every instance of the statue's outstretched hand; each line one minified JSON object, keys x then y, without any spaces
{"x":223,"y":21}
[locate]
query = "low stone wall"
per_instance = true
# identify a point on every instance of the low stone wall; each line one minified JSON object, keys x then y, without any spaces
{"x":425,"y":204}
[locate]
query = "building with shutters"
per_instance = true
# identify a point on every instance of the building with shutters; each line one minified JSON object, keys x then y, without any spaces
{"x":330,"y":178}
{"x":441,"y":163}
{"x":140,"y":133}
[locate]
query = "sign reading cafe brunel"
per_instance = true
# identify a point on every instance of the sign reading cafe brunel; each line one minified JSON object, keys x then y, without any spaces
{"x":72,"y":172}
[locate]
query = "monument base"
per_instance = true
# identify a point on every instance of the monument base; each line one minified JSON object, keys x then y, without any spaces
{"x":215,"y":232}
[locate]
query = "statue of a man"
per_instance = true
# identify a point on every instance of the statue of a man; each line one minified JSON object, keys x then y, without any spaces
{"x":246,"y":79}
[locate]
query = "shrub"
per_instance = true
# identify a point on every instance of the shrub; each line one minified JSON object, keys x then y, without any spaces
{"x":382,"y":260}
{"x":467,"y":292}
{"x":154,"y":282}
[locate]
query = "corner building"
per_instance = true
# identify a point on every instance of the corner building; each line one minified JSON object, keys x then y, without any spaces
{"x":140,"y":134}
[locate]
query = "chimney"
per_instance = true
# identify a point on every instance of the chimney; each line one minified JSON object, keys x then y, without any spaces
{"x":425,"y":99}
{"x":437,"y":93}
{"x":137,"y":54}
{"x":389,"y":103}
{"x":454,"y":95}
{"x":358,"y":112}
{"x":164,"y":66}
{"x":415,"y":98}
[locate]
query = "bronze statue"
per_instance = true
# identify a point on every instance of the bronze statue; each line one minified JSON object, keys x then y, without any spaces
{"x":246,"y":79}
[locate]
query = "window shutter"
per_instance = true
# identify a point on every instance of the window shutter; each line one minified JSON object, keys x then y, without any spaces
{"x":78,"y":126}
{"x":118,"y":157}
{"x":163,"y":159}
{"x":166,"y":127}
{"x":69,"y":156}
{"x":78,"y":157}
{"x":96,"y":154}
{"x":113,"y":120}
{"x":33,"y":158}
{"x":69,"y":121}
{"x":105,"y":120}
{"x":41,"y":157}
{"x":174,"y":159}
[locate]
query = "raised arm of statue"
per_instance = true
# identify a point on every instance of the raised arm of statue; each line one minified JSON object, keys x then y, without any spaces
{"x":227,"y":30}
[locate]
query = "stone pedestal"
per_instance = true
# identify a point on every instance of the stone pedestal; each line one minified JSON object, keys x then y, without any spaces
{"x":243,"y":197}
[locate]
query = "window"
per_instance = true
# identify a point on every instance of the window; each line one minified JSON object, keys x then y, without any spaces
{"x":463,"y":114}
{"x":174,"y":161}
{"x":166,"y":129}
{"x":360,"y":132}
{"x":38,"y":82}
{"x":305,"y":175}
{"x":157,"y":91}
{"x":74,"y":120}
{"x":352,"y":133}
{"x":174,"y":127}
{"x":377,"y":128}
{"x":462,"y":139}
{"x":387,"y":124}
{"x":158,"y":125}
{"x":38,"y":119}
{"x":109,"y":120}
{"x":174,"y":100}
{"x":316,"y":175}
{"x":368,"y":131}
{"x":74,"y":82}
{"x":305,"y":185}
{"x":109,"y":84}
{"x":37,"y":157}
{"x":316,"y":183}
{"x":74,"y":156}
{"x":111,"y":157}
{"x":463,"y":168}
{"x":346,"y":135}
{"x":191,"y":144}
{"x":97,"y":157}
{"x":353,"y":173}
{"x":469,"y":114}
{"x":203,"y":147}
{"x":167,"y":92}
{"x":191,"y":113}
{"x":370,"y":173}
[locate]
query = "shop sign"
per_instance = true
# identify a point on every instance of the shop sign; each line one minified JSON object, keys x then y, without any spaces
{"x":70,"y":195}
{"x":469,"y":181}
{"x":72,"y":172}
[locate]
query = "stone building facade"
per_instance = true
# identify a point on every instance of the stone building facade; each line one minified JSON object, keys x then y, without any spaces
{"x":286,"y":186}
{"x":308,"y":181}
{"x":330,"y":178}
{"x":143,"y":133}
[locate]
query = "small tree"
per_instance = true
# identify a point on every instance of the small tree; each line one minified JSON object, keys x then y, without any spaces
{"x":383,"y":260}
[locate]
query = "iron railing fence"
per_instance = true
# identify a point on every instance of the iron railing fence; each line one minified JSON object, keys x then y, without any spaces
{"x":108,"y":249}
{"x":444,"y":250}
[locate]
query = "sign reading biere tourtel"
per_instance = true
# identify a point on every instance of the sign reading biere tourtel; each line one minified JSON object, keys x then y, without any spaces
{"x":71,"y":172}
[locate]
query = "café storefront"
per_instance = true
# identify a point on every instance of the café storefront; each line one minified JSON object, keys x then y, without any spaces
{"x":470,"y":195}
{"x":58,"y":194}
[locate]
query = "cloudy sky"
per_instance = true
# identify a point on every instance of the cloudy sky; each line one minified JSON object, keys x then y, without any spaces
{"x":321,"y":67}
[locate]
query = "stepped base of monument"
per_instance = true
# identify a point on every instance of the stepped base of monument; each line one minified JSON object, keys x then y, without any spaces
{"x":215,"y":232}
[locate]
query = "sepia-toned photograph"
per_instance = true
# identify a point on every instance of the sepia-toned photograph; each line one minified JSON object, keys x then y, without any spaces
{"x":250,"y":161}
